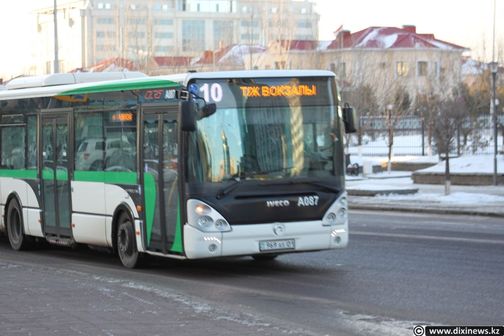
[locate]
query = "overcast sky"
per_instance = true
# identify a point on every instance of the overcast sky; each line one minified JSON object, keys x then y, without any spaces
{"x":464,"y":22}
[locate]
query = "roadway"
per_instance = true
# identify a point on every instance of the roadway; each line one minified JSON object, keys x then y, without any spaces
{"x":400,"y":270}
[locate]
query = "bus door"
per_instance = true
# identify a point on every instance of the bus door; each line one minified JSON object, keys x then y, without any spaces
{"x":160,"y":179}
{"x":55,"y":178}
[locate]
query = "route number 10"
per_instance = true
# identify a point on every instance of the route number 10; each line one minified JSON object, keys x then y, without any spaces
{"x":213,"y":91}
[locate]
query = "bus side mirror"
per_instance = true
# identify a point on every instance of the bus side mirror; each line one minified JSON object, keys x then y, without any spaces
{"x":349,"y":119}
{"x":207,"y":110}
{"x":188,"y":116}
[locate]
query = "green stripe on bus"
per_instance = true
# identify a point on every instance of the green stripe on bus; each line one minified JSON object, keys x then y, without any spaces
{"x":61,"y":175}
{"x":150,"y":202}
{"x":122,"y":86}
{"x":47,"y":174}
{"x":106,"y":177}
{"x":177,"y":245}
{"x":29,"y":174}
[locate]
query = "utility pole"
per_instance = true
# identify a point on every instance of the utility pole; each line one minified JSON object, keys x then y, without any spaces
{"x":494,"y":66}
{"x":56,"y":57}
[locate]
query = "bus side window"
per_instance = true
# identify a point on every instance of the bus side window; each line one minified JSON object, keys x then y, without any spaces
{"x":31,"y":151}
{"x":89,"y":142}
{"x":13,"y":147}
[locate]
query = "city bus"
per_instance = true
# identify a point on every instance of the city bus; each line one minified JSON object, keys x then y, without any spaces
{"x":190,"y":166}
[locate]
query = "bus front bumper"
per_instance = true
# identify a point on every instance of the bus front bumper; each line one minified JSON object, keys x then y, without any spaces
{"x":256,"y":239}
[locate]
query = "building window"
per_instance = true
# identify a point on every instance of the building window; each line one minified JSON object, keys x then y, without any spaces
{"x":250,"y":23}
{"x":342,"y":70}
{"x":105,"y":20}
{"x":402,"y":69}
{"x":163,"y":35}
{"x":137,"y":21}
{"x":104,"y":47}
{"x":163,"y":22}
{"x":193,"y":35}
{"x":108,"y":34}
{"x":304,"y":24}
{"x":249,"y":37}
{"x":223,"y":33}
{"x":421,"y":69}
{"x":436,"y":70}
{"x":136,"y":34}
{"x":163,"y":49}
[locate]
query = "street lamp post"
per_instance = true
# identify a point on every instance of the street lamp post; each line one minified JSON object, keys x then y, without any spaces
{"x":56,"y":57}
{"x":390,"y":126}
{"x":493,"y":106}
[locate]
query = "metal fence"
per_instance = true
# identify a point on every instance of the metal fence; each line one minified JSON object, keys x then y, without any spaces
{"x":411,"y":137}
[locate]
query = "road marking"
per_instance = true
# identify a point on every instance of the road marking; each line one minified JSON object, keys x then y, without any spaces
{"x":426,"y":237}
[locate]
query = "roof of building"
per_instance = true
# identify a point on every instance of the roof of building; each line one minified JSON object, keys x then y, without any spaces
{"x":233,"y":54}
{"x":172,"y":61}
{"x":389,"y":38}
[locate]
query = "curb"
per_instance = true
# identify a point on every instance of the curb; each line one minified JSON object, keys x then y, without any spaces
{"x":363,"y":192}
{"x":424,"y":210}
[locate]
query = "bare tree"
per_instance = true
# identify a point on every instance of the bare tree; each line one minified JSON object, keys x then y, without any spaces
{"x":393,"y":113}
{"x":449,"y":115}
{"x":425,"y":107}
{"x":363,"y":99}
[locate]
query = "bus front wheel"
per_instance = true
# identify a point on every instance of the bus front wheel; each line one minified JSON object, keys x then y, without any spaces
{"x":15,"y":231}
{"x":126,"y":243}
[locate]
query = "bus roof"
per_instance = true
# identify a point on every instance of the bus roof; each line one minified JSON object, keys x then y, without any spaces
{"x":52,"y":85}
{"x":184,"y":78}
{"x":105,"y":85}
{"x":69,"y":78}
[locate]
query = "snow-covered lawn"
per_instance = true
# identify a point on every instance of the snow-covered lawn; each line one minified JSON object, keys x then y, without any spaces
{"x":470,"y":164}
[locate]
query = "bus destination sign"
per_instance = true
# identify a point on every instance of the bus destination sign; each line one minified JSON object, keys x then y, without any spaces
{"x":285,"y":90}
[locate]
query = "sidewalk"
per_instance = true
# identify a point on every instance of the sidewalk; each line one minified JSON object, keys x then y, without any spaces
{"x":397,"y":192}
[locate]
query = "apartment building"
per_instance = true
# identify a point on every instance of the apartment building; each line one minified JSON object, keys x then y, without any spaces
{"x":90,"y":31}
{"x":386,"y":58}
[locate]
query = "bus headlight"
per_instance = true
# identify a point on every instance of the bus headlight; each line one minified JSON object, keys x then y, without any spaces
{"x":222,"y":225}
{"x":337,"y":213}
{"x":205,"y":222}
{"x":205,"y":218}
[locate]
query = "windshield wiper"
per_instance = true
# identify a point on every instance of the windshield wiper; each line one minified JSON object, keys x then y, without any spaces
{"x":230,"y":187}
{"x":306,"y":181}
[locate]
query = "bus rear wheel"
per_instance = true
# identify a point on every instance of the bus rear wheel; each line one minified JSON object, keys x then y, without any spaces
{"x":15,"y":231}
{"x":126,"y":243}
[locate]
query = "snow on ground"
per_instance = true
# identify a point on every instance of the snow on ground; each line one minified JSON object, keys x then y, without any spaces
{"x":411,"y":144}
{"x":456,"y":198}
{"x":427,"y":194}
{"x":469,"y":164}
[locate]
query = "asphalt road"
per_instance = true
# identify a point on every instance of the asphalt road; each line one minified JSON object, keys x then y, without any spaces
{"x":400,"y":270}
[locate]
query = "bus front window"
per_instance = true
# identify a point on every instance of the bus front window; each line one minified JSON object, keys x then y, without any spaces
{"x":266,"y":138}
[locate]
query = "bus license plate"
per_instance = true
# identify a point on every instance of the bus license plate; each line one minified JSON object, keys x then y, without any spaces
{"x":273,"y":245}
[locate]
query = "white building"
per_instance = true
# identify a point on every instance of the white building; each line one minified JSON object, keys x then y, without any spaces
{"x":90,"y":31}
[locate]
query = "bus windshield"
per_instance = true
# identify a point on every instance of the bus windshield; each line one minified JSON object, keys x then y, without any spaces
{"x":265,"y":129}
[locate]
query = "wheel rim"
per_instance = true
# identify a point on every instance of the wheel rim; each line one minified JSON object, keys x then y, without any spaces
{"x":125,"y":245}
{"x":15,"y":226}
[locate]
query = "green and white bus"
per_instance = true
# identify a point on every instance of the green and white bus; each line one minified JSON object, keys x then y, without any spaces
{"x":197,"y":165}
